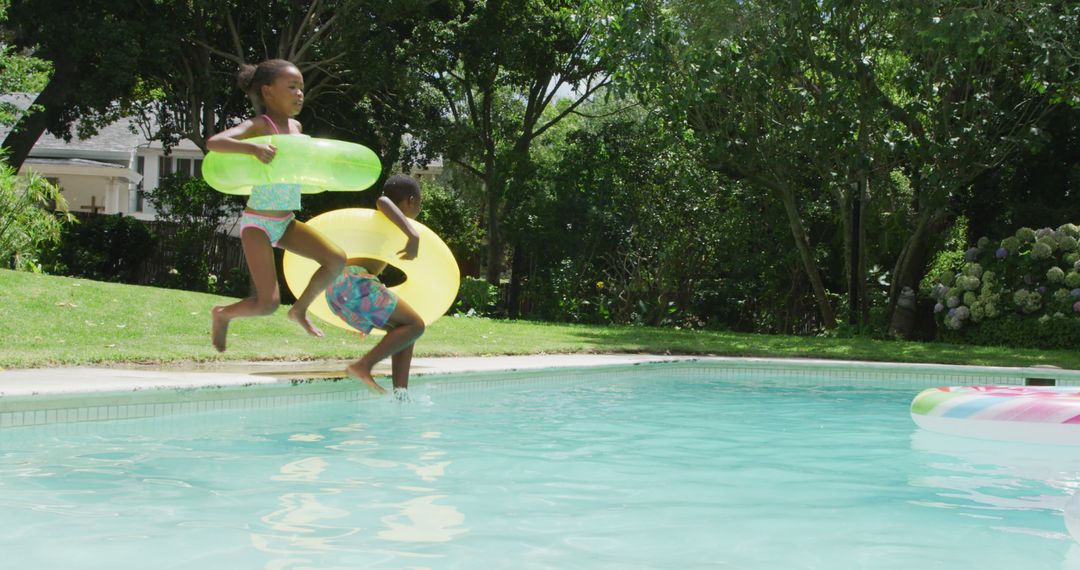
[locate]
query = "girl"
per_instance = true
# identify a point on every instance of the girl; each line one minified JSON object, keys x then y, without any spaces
{"x":276,"y":89}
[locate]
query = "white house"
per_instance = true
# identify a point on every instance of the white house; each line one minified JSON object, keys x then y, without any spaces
{"x":109,"y":172}
{"x":112,"y":171}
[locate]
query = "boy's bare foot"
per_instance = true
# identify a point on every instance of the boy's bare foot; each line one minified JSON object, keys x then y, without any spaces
{"x":362,"y":373}
{"x":301,"y":318}
{"x":219,"y":327}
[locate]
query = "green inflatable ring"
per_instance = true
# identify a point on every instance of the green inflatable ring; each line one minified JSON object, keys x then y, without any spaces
{"x":317,"y":165}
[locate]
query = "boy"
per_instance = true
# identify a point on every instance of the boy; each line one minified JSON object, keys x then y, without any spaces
{"x":362,"y":301}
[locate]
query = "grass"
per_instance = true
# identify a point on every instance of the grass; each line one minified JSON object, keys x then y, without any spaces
{"x":59,"y":321}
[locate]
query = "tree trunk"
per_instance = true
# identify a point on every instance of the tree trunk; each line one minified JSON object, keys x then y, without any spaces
{"x":519,"y":163}
{"x":517,"y":271}
{"x":494,"y":233}
{"x":854,"y":208}
{"x":802,"y":244}
{"x":846,"y":202}
{"x":22,"y":138}
{"x":909,"y":271}
{"x":864,"y":300}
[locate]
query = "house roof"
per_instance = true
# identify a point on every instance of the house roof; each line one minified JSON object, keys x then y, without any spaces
{"x":112,"y":143}
{"x":74,"y":162}
{"x":54,"y":166}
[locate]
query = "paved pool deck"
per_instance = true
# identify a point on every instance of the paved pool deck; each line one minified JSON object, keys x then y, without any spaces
{"x":88,"y":380}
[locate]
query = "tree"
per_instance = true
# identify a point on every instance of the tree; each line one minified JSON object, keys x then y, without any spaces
{"x":26,"y":220}
{"x":172,"y":64}
{"x":757,"y":83}
{"x":497,"y":67}
{"x":973,"y":84}
{"x":624,"y":222}
{"x":352,"y":54}
{"x":192,"y":93}
{"x":1038,"y":189}
{"x":19,"y":72}
{"x":791,"y":94}
{"x":348,"y":52}
{"x":97,"y":52}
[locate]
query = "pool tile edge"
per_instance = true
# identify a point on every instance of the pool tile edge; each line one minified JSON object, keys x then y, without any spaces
{"x":45,"y":396}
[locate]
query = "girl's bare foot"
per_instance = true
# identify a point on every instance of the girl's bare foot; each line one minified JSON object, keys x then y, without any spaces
{"x":301,"y":318}
{"x":362,"y":373}
{"x":219,"y":327}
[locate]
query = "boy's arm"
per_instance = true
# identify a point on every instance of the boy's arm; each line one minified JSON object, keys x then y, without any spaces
{"x":232,"y":140}
{"x":391,"y":211}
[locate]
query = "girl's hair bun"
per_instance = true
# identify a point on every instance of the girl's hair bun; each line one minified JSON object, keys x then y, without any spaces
{"x":244,"y":77}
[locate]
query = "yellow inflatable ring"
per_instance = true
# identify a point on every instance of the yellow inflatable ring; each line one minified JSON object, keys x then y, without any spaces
{"x":431,"y":280}
{"x":316,"y":165}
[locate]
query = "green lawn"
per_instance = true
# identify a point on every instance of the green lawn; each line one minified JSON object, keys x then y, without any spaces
{"x":46,"y":320}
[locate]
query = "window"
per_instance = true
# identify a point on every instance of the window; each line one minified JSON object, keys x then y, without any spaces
{"x":165,"y":165}
{"x":168,"y":165}
{"x":138,"y":198}
{"x":190,"y":166}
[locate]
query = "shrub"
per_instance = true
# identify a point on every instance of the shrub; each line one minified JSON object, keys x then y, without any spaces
{"x":446,"y":214}
{"x":27,"y":227}
{"x":102,"y":247}
{"x":1020,"y":331}
{"x":235,"y":283}
{"x":1019,"y":291}
{"x":192,"y":203}
{"x":476,"y":296}
{"x":188,"y":261}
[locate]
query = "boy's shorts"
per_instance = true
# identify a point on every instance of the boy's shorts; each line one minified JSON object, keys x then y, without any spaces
{"x":360,"y":299}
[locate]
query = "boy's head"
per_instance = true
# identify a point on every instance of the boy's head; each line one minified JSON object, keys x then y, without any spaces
{"x":404,"y":192}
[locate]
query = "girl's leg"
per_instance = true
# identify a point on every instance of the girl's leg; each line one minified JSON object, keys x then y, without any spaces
{"x":260,"y":260}
{"x":302,"y":240}
{"x":403,"y":328}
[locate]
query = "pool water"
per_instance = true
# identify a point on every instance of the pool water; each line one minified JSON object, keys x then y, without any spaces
{"x":663,"y":471}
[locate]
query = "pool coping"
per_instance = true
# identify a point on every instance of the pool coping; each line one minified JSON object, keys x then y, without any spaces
{"x":88,"y":380}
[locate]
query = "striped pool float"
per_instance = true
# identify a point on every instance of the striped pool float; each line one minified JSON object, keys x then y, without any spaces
{"x":1012,"y":413}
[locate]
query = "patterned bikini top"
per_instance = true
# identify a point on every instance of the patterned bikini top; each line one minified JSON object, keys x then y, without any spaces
{"x":276,"y":196}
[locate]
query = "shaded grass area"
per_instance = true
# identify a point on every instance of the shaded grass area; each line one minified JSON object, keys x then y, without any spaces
{"x":49,"y":321}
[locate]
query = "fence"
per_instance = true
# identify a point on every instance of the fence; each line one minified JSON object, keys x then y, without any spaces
{"x":224,"y":253}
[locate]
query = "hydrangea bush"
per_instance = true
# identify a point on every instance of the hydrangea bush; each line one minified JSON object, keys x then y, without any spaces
{"x":1033,"y":276}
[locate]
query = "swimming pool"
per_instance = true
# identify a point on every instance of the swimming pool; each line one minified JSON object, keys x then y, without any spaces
{"x":664,"y":468}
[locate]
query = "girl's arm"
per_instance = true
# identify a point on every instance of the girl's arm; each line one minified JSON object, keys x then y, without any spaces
{"x":232,"y":140}
{"x":390,"y":210}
